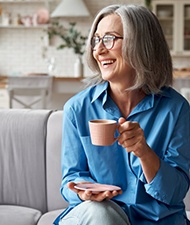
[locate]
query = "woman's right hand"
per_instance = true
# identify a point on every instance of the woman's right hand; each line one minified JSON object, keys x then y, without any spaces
{"x":89,"y":195}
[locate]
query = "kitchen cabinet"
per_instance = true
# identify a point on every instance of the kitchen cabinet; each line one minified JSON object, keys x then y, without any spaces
{"x":174,"y":17}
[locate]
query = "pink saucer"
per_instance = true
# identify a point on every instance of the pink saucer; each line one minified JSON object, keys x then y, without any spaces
{"x":96,"y":187}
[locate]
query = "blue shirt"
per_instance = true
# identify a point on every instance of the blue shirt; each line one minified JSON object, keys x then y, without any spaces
{"x":165,"y":119}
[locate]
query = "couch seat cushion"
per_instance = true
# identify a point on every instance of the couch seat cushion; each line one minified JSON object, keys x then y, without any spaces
{"x":18,"y":215}
{"x":49,"y":217}
{"x":188,"y":214}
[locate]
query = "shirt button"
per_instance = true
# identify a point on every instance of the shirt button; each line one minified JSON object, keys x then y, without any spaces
{"x":156,"y":194}
{"x":163,"y":197}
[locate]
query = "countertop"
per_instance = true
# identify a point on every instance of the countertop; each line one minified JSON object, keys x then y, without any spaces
{"x":181,"y":74}
{"x":178,"y":74}
{"x":4,"y":79}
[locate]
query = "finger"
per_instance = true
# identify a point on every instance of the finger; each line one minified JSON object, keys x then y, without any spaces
{"x":121,"y":120}
{"x":111,"y":194}
{"x":71,"y":185}
{"x":130,"y":142}
{"x":84,"y":195}
{"x":126,"y":138}
{"x":115,"y":193}
{"x":102,"y":195}
{"x":127,"y":126}
{"x":129,"y":130}
{"x":87,"y":195}
{"x":108,"y":194}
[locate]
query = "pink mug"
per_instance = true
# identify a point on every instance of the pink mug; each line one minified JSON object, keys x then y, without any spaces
{"x":102,"y":131}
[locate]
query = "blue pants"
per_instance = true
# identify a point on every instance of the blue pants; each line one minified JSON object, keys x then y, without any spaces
{"x":96,"y":213}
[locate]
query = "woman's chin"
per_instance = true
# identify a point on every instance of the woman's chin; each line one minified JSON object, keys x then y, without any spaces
{"x":107,"y":76}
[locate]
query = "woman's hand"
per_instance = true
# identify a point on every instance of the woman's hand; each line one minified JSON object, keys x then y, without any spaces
{"x":132,"y":138}
{"x":89,"y":195}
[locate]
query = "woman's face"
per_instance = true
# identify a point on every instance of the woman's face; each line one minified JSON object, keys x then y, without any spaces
{"x":110,"y":61}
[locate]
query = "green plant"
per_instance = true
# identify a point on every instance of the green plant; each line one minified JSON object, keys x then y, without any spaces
{"x":71,"y":37}
{"x":148,"y":4}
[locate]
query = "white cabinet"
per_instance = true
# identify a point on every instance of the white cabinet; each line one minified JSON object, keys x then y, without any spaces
{"x":174,"y":17}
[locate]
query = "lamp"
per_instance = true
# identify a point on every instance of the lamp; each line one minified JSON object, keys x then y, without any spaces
{"x":71,"y":8}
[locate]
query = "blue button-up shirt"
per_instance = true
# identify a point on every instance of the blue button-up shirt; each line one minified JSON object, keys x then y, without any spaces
{"x":165,"y":119}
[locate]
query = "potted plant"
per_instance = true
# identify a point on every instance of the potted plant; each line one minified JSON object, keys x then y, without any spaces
{"x":148,"y":4}
{"x":70,"y":38}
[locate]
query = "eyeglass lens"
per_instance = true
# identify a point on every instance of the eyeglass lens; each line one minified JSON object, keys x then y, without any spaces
{"x":107,"y":41}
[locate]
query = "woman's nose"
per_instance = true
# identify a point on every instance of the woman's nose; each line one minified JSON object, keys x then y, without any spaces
{"x":100,"y":47}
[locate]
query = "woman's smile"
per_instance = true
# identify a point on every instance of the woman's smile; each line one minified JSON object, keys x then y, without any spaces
{"x":106,"y":63}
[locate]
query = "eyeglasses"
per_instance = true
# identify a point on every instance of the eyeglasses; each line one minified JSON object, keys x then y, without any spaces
{"x":108,"y":40}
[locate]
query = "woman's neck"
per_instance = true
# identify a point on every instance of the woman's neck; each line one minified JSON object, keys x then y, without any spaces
{"x":126,"y":100}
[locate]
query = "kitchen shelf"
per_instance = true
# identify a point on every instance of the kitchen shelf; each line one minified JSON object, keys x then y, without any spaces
{"x":165,"y":18}
{"x":24,"y":27}
{"x":25,"y":1}
{"x":23,"y":9}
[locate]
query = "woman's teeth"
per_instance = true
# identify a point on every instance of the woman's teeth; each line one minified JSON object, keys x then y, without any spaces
{"x":107,"y":62}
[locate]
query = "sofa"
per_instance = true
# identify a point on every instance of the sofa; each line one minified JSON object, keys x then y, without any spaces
{"x":30,"y":167}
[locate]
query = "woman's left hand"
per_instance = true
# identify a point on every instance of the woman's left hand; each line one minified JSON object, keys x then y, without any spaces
{"x":85,"y":195}
{"x":132,"y":138}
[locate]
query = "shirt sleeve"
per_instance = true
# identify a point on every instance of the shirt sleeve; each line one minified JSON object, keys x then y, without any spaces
{"x":171,"y":182}
{"x":73,"y":159}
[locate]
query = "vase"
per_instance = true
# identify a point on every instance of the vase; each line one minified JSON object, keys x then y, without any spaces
{"x":78,"y":67}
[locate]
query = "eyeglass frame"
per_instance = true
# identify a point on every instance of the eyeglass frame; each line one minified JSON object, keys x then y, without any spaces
{"x":102,"y":39}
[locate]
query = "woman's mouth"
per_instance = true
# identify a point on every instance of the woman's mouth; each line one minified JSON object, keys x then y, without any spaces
{"x":107,"y":62}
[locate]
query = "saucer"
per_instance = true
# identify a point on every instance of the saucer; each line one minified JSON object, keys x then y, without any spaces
{"x":96,"y":187}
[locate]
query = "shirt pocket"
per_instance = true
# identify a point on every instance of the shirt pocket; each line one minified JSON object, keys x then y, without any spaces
{"x":94,"y":150}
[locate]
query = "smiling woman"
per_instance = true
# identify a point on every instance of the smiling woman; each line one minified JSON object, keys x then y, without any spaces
{"x":133,"y":87}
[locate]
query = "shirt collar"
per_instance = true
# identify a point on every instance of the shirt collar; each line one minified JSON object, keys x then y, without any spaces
{"x":149,"y":101}
{"x":101,"y":88}
{"x":145,"y":104}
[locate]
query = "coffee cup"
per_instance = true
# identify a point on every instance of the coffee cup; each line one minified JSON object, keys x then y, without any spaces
{"x":102,"y":131}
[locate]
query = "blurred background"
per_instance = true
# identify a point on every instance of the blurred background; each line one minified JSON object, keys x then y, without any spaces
{"x":36,"y":38}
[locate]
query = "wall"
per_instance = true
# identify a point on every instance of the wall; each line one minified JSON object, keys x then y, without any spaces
{"x":22,"y":50}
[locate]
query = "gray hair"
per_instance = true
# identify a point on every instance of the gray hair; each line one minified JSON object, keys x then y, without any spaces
{"x":144,"y":47}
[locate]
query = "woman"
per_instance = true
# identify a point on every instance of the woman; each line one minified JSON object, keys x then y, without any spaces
{"x":150,"y":160}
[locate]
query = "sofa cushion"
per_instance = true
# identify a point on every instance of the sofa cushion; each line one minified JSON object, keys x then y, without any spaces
{"x":53,"y":163}
{"x":18,"y":215}
{"x":187,"y":204}
{"x":48,"y":218}
{"x":187,"y":201}
{"x":22,"y":158}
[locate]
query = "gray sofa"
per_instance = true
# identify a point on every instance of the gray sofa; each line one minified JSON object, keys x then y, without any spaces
{"x":30,"y":167}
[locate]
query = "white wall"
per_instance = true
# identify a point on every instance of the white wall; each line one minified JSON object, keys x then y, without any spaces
{"x":21,"y":50}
